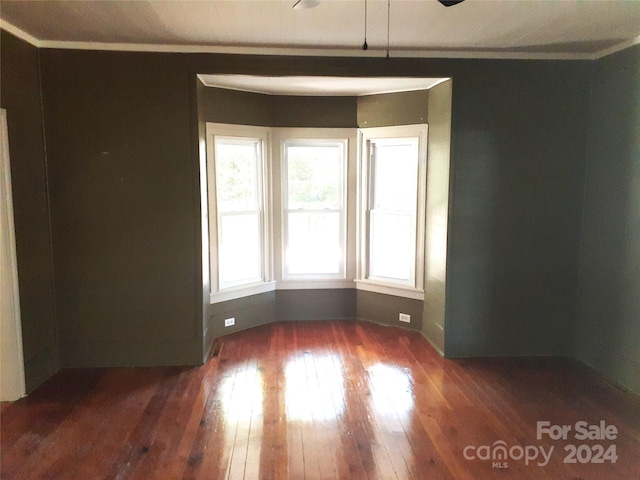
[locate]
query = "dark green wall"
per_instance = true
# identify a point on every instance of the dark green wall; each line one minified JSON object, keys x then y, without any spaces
{"x":121,"y":132}
{"x":20,"y":96}
{"x":608,"y":326}
{"x":380,"y":308}
{"x":248,"y":312}
{"x":124,"y":204}
{"x":246,"y":108}
{"x":316,"y":112}
{"x":281,"y":305}
{"x":403,"y":108}
{"x":437,"y":213}
{"x":316,"y":304}
{"x":518,"y":145}
{"x":231,"y":106}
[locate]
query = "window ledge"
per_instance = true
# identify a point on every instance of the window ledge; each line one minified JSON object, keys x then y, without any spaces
{"x":314,"y":284}
{"x":242,"y":291}
{"x":388,"y":289}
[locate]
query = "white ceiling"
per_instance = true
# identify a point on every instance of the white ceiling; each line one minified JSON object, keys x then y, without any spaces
{"x":475,"y":28}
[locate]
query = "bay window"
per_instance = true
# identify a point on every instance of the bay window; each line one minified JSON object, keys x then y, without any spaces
{"x":301,"y":212}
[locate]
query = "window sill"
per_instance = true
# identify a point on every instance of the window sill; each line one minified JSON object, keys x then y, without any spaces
{"x":388,"y":289}
{"x":313,"y":284}
{"x":242,"y":291}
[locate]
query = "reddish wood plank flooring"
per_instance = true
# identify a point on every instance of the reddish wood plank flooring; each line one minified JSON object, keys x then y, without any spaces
{"x":320,"y":400}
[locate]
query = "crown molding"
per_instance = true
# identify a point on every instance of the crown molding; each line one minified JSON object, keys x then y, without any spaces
{"x":21,"y":34}
{"x":312,"y":52}
{"x":617,"y":48}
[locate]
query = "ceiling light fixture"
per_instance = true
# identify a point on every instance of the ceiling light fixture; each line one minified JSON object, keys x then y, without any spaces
{"x":450,"y":3}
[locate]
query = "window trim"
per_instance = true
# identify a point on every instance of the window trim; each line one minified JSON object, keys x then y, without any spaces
{"x":342,"y":143}
{"x":355,"y":194}
{"x":363,"y":282}
{"x":261,"y":134}
{"x":349,"y":135}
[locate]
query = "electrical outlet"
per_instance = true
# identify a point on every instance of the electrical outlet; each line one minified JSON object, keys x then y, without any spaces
{"x":229,"y":322}
{"x":403,"y":317}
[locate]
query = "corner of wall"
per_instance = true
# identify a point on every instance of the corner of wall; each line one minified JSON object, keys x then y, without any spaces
{"x":23,"y":97}
{"x":607,"y":331}
{"x":437,"y":211}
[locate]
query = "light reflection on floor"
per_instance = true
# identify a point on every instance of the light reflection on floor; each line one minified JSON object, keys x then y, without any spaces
{"x":391,"y":403}
{"x":315,"y":396}
{"x":392,"y":395}
{"x":314,"y":388}
{"x":242,"y":394}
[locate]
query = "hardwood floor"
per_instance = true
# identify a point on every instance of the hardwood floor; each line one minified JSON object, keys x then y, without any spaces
{"x":316,"y":400}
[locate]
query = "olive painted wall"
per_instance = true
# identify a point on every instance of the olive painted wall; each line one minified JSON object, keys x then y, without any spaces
{"x":381,"y":308}
{"x":124,"y":207}
{"x":121,"y":134}
{"x":518,"y":143}
{"x":246,"y":108}
{"x":519,"y":131}
{"x":608,"y":326}
{"x":437,"y":215}
{"x":316,"y":304}
{"x":221,"y":105}
{"x":518,"y":146}
{"x":20,"y":95}
{"x":403,"y":108}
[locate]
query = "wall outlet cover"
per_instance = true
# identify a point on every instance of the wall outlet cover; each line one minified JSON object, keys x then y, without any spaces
{"x":229,"y":322}
{"x":403,"y":317}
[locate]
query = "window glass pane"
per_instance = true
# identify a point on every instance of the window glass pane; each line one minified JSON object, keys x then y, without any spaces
{"x":240,"y":249}
{"x":395,"y":175}
{"x":236,"y":175}
{"x":313,"y":243}
{"x":392,"y":248}
{"x":313,"y":176}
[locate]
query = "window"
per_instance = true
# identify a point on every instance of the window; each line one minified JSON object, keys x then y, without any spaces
{"x":238,"y":221}
{"x":392,"y":194}
{"x":304,"y":213}
{"x":314,"y":216}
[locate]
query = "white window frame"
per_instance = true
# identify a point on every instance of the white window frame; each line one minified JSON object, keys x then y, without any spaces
{"x":266,"y":282}
{"x":347,"y":138}
{"x":341,"y":210}
{"x":415,"y":287}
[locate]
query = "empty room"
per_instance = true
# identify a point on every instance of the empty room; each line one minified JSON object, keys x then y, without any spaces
{"x":320,"y":239}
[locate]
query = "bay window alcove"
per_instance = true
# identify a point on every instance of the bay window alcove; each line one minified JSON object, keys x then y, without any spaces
{"x":317,"y":204}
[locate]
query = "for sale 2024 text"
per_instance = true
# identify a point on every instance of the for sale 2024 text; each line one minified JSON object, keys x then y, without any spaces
{"x":581,"y":431}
